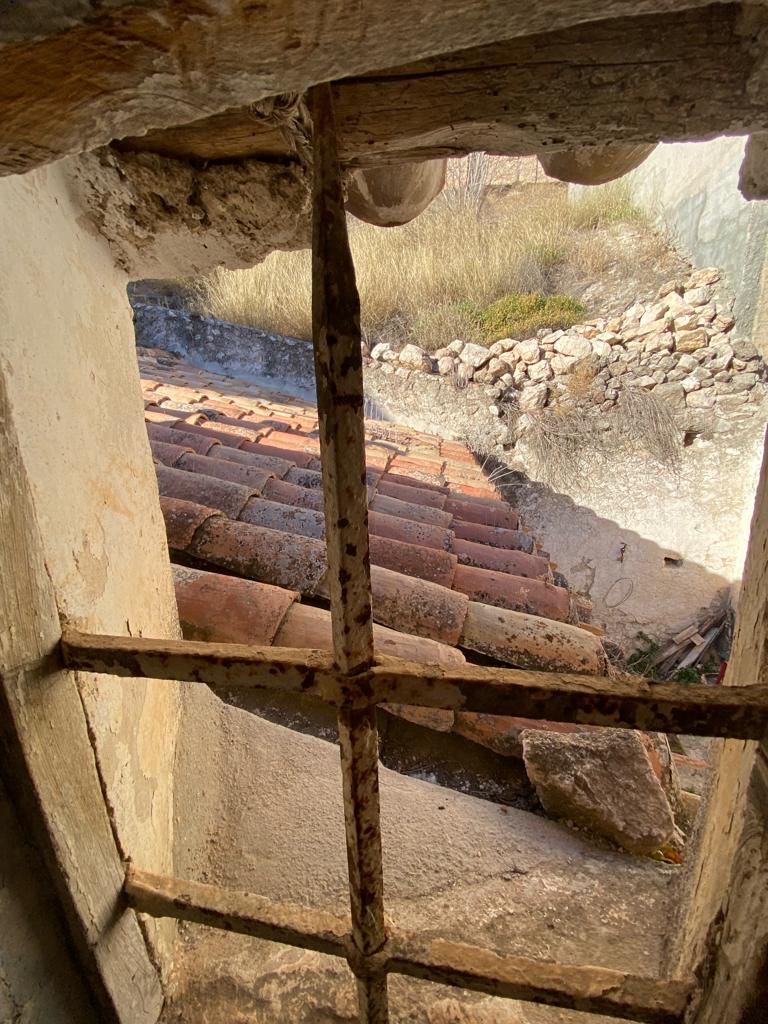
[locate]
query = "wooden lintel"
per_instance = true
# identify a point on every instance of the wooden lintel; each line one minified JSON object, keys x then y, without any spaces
{"x":740,"y":712}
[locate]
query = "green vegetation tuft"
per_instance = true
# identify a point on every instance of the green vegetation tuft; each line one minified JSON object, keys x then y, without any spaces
{"x":521,"y":314}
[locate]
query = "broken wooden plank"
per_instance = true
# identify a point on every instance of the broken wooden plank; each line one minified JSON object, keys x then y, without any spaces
{"x":243,"y":912}
{"x":340,"y":403}
{"x":736,"y":711}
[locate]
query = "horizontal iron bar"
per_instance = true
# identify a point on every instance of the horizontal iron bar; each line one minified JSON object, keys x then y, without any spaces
{"x":590,"y":989}
{"x":242,"y":912}
{"x":740,"y":712}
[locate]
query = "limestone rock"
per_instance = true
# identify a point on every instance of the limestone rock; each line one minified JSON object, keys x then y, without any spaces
{"x":697,"y":296}
{"x":378,"y":350}
{"x":562,"y":364}
{"x":703,"y":278}
{"x":498,"y":348}
{"x":456,"y":346}
{"x":414,"y":358}
{"x":445,"y":365}
{"x":540,"y":371}
{"x":534,"y":397}
{"x":602,"y":781}
{"x":690,"y":341}
{"x":701,"y":399}
{"x":743,"y":349}
{"x":671,"y":392}
{"x":662,"y":342}
{"x":528,"y":351}
{"x":474,"y":356}
{"x":573,"y":345}
{"x":645,"y":381}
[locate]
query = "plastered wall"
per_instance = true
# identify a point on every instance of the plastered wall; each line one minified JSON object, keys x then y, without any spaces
{"x":68,"y":360}
{"x":692,"y":189}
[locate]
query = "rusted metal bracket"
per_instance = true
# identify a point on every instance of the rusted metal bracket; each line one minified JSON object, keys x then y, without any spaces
{"x":339,"y":377}
{"x":739,"y":712}
{"x":590,"y":989}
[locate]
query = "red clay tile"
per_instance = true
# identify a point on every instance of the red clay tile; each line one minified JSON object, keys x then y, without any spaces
{"x":222,"y":495}
{"x":296,"y":458}
{"x":230,"y":440}
{"x":405,"y":530}
{"x":513,"y":540}
{"x":233,"y":429}
{"x":415,"y":606}
{"x":241,"y":457}
{"x":182,"y":520}
{"x":516,"y":593}
{"x":227,"y":609}
{"x":413,"y":494}
{"x":410,"y":480}
{"x":255,"y":432}
{"x":269,"y":556}
{"x":305,"y":477}
{"x":153,"y":415}
{"x":501,"y":733}
{"x":472,"y":490}
{"x":168,"y":454}
{"x":293,"y":494}
{"x":437,"y":719}
{"x":518,"y":563}
{"x":487,"y":515}
{"x":288,"y":518}
{"x":411,"y":560}
{"x":197,"y":442}
{"x":252,"y":477}
{"x":148,"y":385}
{"x":407,"y":510}
{"x":299,"y":442}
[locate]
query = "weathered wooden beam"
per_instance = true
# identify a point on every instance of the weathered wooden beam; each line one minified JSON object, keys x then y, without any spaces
{"x":736,"y":711}
{"x":589,"y":989}
{"x":613,"y":81}
{"x":339,"y":381}
{"x":73,"y":80}
{"x":242,"y":912}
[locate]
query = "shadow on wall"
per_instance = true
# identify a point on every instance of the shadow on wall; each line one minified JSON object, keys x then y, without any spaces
{"x":651,"y":551}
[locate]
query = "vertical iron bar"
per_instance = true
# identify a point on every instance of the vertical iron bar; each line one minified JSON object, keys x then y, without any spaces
{"x":339,"y":376}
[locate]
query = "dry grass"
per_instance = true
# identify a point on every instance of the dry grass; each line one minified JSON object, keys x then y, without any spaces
{"x":418,"y":282}
{"x":567,"y":442}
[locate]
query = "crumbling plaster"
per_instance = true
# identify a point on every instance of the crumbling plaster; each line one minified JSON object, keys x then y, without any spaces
{"x":69,"y":365}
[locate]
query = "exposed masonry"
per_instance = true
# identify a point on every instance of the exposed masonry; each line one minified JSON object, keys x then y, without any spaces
{"x":682,"y":346}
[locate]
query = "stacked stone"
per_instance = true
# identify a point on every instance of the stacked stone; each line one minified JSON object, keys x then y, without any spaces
{"x":681,"y":346}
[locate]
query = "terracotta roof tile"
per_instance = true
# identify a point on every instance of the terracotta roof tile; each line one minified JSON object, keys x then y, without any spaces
{"x":413,"y":494}
{"x":227,"y":609}
{"x":297,"y":458}
{"x":196,"y":442}
{"x":168,"y":454}
{"x":221,"y":495}
{"x":252,"y":477}
{"x":152,"y":414}
{"x":518,"y":639}
{"x":182,"y":520}
{"x":269,"y":556}
{"x":517,"y":593}
{"x":518,"y":563}
{"x":293,"y":494}
{"x":494,"y":536}
{"x":478,"y":512}
{"x":302,"y":521}
{"x":502,"y":733}
{"x":241,"y":457}
{"x":415,"y":606}
{"x":312,"y":478}
{"x":405,"y":530}
{"x":223,"y":437}
{"x":408,"y":510}
{"x":412,"y":560}
{"x":422,"y":483}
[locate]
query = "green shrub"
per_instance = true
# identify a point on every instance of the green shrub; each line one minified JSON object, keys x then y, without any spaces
{"x":521,"y":314}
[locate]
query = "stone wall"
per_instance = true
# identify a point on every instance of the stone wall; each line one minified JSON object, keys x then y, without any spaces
{"x":247,"y":352}
{"x":691,"y":188}
{"x":682,"y":346}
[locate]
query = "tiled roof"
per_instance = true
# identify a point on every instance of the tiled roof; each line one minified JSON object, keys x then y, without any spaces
{"x":241,"y":491}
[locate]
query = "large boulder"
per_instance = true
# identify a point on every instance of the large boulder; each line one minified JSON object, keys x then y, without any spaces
{"x":602,"y":781}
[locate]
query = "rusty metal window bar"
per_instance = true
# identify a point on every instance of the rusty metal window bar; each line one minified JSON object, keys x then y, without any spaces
{"x":354,"y":682}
